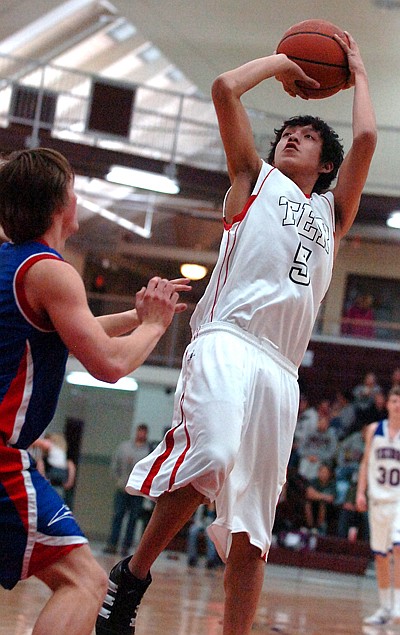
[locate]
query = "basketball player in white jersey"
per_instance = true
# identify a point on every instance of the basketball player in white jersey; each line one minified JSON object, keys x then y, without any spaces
{"x":236,"y":402}
{"x":379,"y":479}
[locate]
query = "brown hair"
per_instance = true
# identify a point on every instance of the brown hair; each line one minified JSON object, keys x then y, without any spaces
{"x":33,"y":184}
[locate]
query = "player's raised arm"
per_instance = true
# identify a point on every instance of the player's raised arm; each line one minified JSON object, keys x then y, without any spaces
{"x":354,"y":170}
{"x":243,"y":160}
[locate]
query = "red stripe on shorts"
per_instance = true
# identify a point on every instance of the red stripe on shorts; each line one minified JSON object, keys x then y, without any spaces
{"x":182,"y":455}
{"x":158,"y":463}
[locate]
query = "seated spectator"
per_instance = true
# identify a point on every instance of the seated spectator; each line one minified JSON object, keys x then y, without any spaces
{"x":395,"y":378}
{"x":348,"y":457}
{"x":343,"y":413}
{"x":350,"y":517}
{"x":364,"y":393}
{"x":375,"y":412}
{"x":358,"y":320}
{"x":306,"y":422}
{"x":320,"y":496}
{"x":290,"y":514}
{"x":324,"y":408}
{"x":204,"y":516}
{"x":318,"y":447}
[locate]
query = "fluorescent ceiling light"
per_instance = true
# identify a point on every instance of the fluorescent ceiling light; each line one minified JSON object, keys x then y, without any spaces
{"x":193,"y":271}
{"x":394,"y":220}
{"x":142,"y":179}
{"x":175,"y":75}
{"x":61,"y":28}
{"x":150,"y":54}
{"x":81,"y":378}
{"x":119,"y":220}
{"x":122,"y":30}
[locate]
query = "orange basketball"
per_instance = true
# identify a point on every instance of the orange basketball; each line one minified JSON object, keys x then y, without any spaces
{"x":312,"y":46}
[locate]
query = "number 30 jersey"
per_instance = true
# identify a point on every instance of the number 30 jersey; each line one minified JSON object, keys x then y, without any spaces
{"x":274,"y":266}
{"x":384,"y":466}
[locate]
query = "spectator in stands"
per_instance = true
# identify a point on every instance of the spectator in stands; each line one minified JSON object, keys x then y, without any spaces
{"x":203,"y":517}
{"x":318,"y":447}
{"x":348,"y":457}
{"x":307,"y":420}
{"x":320,"y":496}
{"x":349,"y":516}
{"x":324,"y":408}
{"x":358,"y":320}
{"x":395,"y":377}
{"x":58,"y":469}
{"x":375,"y":412}
{"x":343,"y":413}
{"x":364,"y":393}
{"x":290,"y":511}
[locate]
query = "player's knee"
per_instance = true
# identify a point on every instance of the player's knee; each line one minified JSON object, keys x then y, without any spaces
{"x":98,"y":575}
{"x":93,"y":585}
{"x":101,"y":584}
{"x":100,"y":579}
{"x":89,"y":577}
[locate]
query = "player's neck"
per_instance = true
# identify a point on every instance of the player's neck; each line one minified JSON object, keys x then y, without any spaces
{"x":303,"y":181}
{"x":54,"y":237}
{"x":394,"y":425}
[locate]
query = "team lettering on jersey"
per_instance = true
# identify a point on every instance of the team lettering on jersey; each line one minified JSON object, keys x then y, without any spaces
{"x":387,"y":474}
{"x":308,"y":226}
{"x":387,"y":453}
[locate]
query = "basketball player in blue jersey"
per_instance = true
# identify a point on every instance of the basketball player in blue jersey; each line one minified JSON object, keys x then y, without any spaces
{"x":379,"y":482}
{"x":43,"y":314}
{"x":236,"y":402}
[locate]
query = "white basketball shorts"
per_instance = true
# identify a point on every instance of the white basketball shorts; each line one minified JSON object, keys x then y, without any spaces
{"x":235,"y":411}
{"x":384,"y":521}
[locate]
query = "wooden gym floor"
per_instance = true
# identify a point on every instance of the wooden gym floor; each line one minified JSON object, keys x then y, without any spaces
{"x":183,"y":601}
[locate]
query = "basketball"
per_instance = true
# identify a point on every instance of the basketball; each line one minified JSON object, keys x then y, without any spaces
{"x":312,"y":46}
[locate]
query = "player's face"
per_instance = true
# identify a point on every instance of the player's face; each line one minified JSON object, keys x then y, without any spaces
{"x":393,"y":405}
{"x":299,"y":148}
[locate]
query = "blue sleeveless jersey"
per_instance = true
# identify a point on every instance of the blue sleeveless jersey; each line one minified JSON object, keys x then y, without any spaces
{"x":32,"y":355}
{"x":36,"y":527}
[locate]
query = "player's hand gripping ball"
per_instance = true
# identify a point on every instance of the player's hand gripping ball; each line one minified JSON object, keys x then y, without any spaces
{"x":311,"y":44}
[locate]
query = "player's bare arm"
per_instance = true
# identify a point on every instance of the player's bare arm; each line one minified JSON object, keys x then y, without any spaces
{"x":56,"y":290}
{"x":354,"y":170}
{"x":243,"y":161}
{"x":362,"y":483}
{"x":121,"y":323}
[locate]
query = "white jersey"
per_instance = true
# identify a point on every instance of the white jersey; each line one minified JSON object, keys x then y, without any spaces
{"x":274,"y":266}
{"x":384,"y":466}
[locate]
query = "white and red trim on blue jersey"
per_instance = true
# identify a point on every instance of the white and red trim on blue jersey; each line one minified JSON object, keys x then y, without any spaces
{"x":32,"y":355}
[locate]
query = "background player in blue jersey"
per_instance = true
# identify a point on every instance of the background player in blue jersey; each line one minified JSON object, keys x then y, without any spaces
{"x":43,"y":314}
{"x":379,"y":481}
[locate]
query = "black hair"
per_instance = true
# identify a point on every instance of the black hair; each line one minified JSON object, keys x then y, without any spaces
{"x":332,"y":148}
